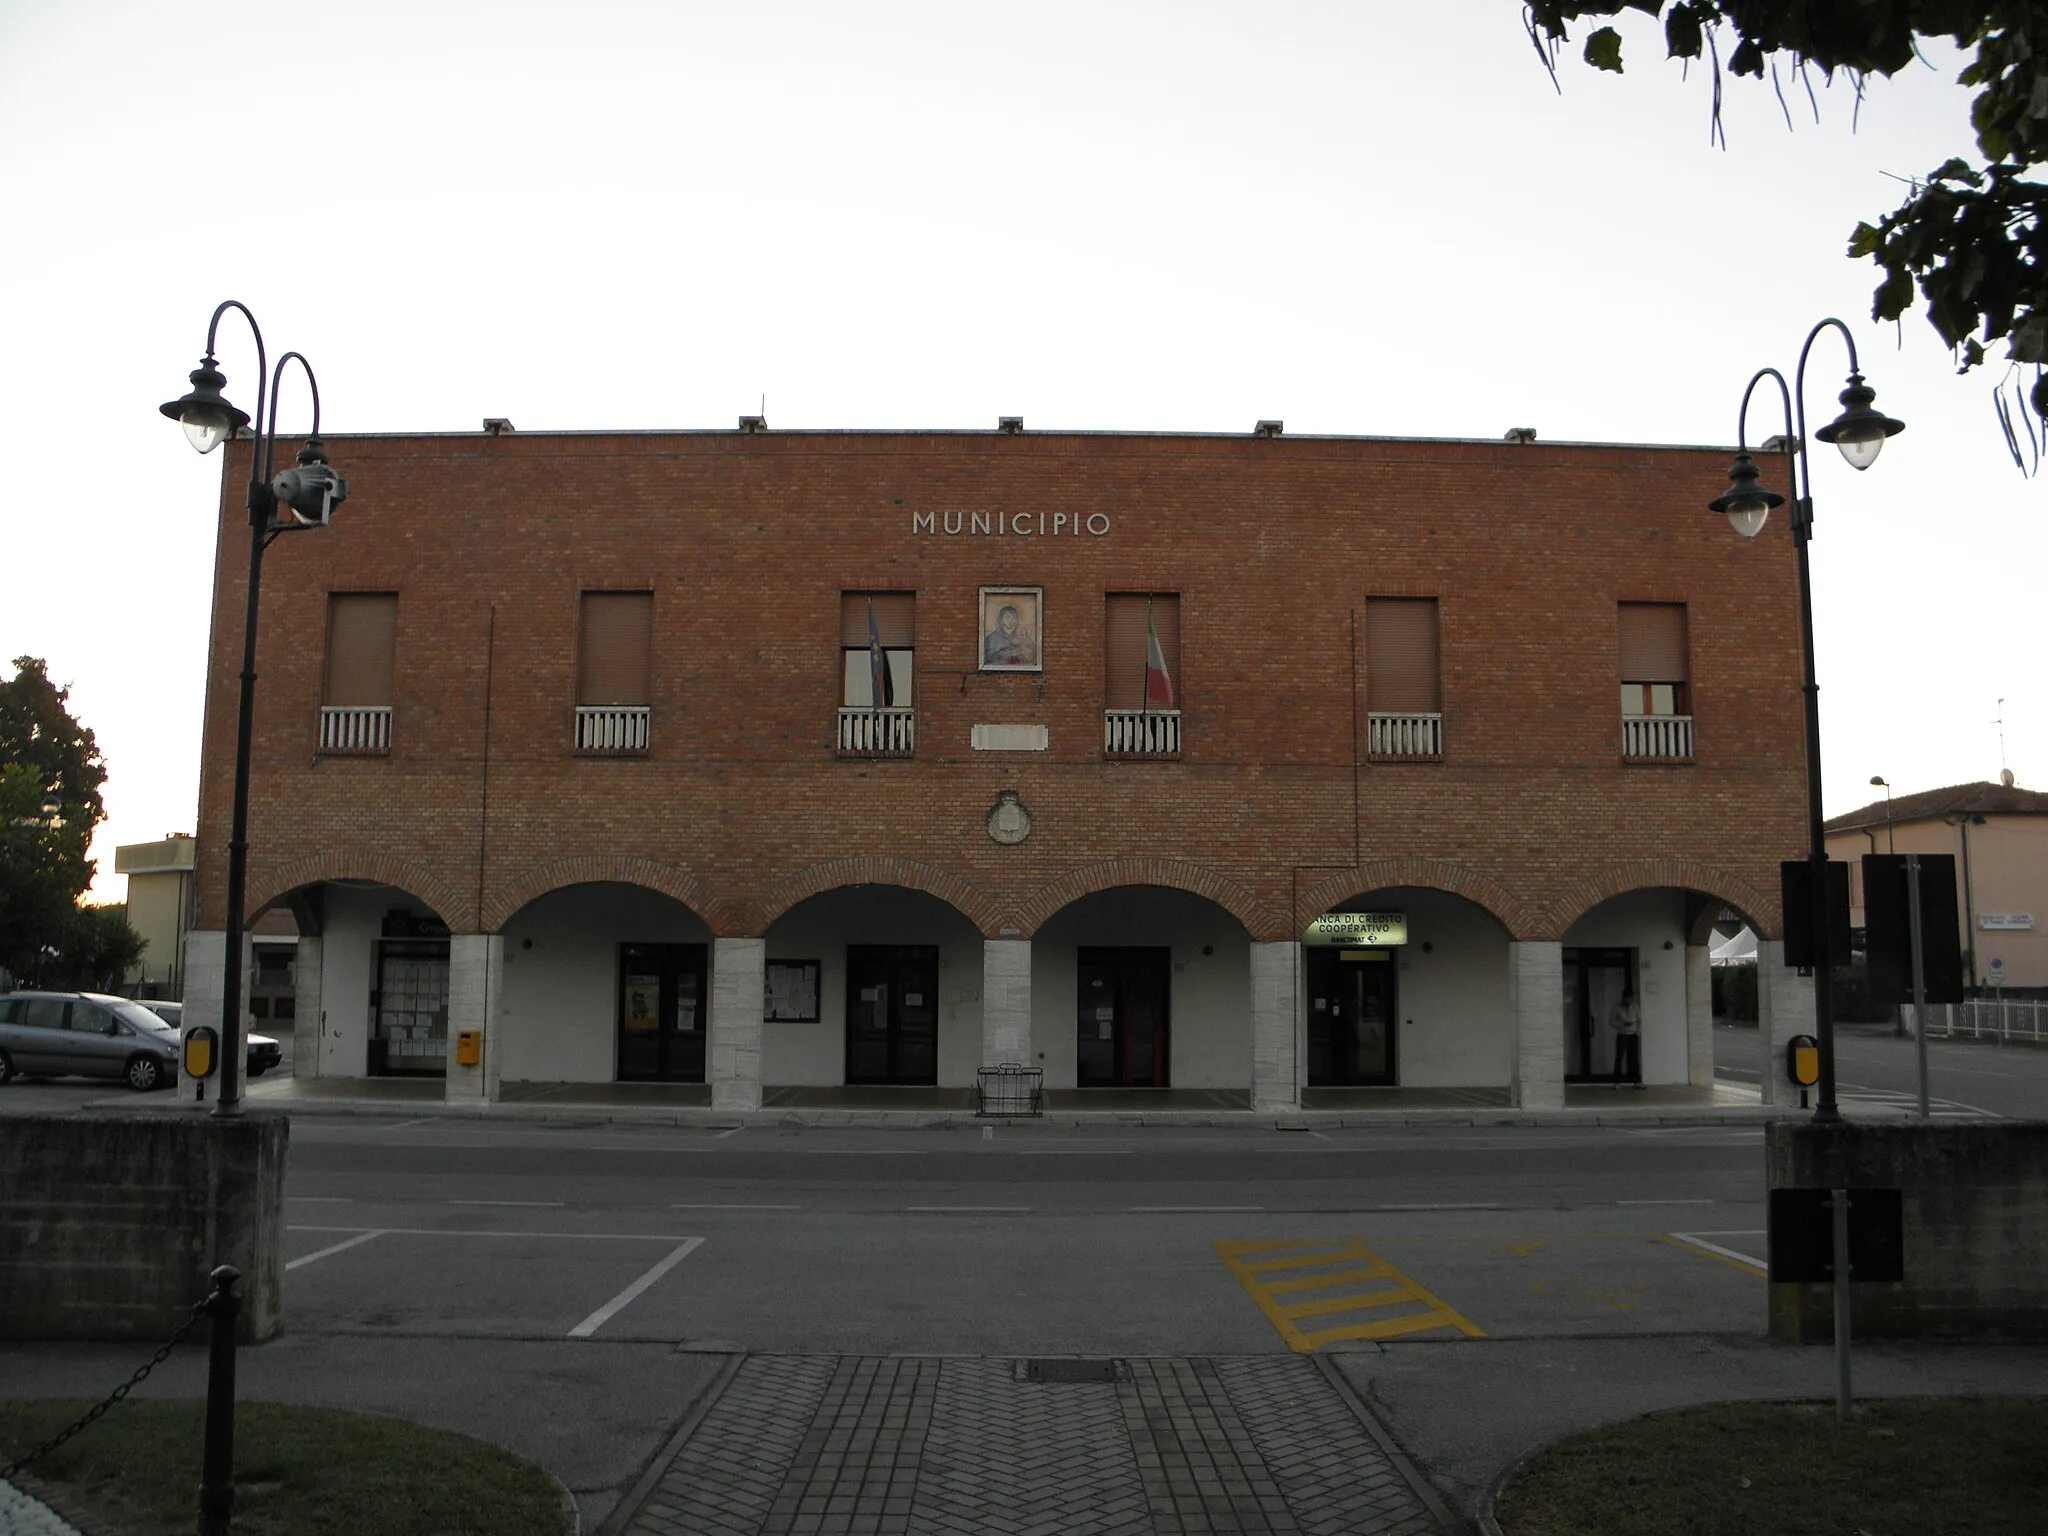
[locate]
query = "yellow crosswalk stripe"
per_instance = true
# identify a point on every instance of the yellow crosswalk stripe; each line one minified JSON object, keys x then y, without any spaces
{"x":1271,"y":1274}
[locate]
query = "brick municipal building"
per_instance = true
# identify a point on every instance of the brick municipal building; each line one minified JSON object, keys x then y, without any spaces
{"x":1243,"y":770}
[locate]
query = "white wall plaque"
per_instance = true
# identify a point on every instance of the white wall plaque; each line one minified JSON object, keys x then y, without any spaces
{"x":2005,"y":922}
{"x":1010,"y":738}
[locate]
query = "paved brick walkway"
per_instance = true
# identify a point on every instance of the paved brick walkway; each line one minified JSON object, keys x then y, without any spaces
{"x":817,"y":1446}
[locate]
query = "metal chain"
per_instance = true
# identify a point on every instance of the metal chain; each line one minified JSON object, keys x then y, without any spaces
{"x":155,"y":1360}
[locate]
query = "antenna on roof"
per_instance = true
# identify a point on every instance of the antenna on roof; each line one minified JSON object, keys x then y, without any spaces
{"x":2004,"y":773}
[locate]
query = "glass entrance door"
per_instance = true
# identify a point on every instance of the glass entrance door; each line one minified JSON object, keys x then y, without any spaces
{"x":1594,"y":980}
{"x":892,"y":1013}
{"x":1351,"y":1034}
{"x":1123,"y":1022}
{"x":662,"y":998}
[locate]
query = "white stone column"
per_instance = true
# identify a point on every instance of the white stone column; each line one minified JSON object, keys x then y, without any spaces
{"x":309,"y":1022}
{"x":1006,"y":1002}
{"x":1536,"y":999}
{"x":738,"y":977}
{"x":1784,"y":1008}
{"x":1699,"y":1016}
{"x":205,"y":980}
{"x":476,"y":992}
{"x":1276,"y":1026}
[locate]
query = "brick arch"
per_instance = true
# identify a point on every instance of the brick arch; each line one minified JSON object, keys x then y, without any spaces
{"x":1237,"y":900}
{"x":1758,"y":906}
{"x":603,"y":869}
{"x":1503,"y":905}
{"x":268,"y":886}
{"x":870,"y":869}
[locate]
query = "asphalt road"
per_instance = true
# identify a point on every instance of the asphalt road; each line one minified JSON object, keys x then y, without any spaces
{"x":1876,"y":1069}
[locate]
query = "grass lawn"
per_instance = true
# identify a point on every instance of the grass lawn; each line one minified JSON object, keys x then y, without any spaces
{"x":298,"y":1472}
{"x":1906,"y":1466}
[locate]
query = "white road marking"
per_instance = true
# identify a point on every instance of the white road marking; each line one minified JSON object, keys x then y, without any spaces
{"x":730,"y":1131}
{"x":1663,"y":1202}
{"x":618,"y":1303}
{"x":1194,"y":1208}
{"x":735,"y":1207}
{"x":359,"y":1238}
{"x":1438,"y":1207}
{"x":610,"y":1237}
{"x":549,"y":1203}
{"x":967,"y":1208}
{"x":406,"y":1125}
{"x":1727,"y":1253}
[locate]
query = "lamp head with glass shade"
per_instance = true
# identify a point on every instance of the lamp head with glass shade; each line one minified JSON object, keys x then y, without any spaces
{"x":208,"y":417}
{"x":1747,"y":503}
{"x":1861,"y":429}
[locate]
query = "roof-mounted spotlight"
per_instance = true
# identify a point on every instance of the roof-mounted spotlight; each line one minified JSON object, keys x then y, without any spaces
{"x":1009,"y":423}
{"x":1269,"y":429}
{"x":753,"y":423}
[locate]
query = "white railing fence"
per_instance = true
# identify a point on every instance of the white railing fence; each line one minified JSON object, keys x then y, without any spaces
{"x":1404,"y":735}
{"x":1656,"y":735}
{"x":878,"y":732}
{"x":355,"y":728}
{"x":612,"y":728}
{"x":2021,"y":1021}
{"x":1140,"y":732}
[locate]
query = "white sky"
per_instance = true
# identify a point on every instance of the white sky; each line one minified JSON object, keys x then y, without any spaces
{"x":1357,"y":217}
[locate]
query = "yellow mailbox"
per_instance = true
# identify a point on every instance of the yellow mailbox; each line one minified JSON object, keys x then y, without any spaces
{"x":469,"y":1047}
{"x":200,"y":1055}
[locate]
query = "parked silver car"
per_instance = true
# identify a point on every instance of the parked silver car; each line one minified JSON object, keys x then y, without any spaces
{"x":85,"y":1034}
{"x":264,"y":1052}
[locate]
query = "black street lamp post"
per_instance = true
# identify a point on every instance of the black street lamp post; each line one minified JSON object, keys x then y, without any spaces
{"x":280,"y":502}
{"x":1879,"y":781}
{"x":1859,"y":432}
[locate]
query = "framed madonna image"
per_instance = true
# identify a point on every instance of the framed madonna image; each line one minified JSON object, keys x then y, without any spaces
{"x":1012,"y":629}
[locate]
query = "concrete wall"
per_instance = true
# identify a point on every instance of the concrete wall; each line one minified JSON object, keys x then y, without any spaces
{"x":1976,"y":1227}
{"x":559,"y":1022}
{"x":813,"y":1055}
{"x":1456,"y":1029}
{"x":1652,"y":923}
{"x":112,"y":1224}
{"x":1209,"y":1039}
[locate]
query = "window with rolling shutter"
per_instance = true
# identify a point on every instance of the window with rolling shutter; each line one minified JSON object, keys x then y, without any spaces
{"x":895,"y":626}
{"x":361,"y":630}
{"x":1401,"y":663}
{"x":1653,"y":670}
{"x":1129,"y":619}
{"x":614,"y":661}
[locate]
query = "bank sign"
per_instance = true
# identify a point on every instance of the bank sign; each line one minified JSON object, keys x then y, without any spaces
{"x":1363,"y":930}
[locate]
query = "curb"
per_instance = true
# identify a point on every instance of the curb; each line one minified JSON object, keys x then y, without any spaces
{"x":1334,"y":1375}
{"x":628,"y":1507}
{"x":907,"y":1119}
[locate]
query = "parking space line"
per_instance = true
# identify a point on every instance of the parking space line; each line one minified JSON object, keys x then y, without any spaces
{"x":536,"y":1203}
{"x":614,"y":1237}
{"x":735,"y":1207}
{"x":620,"y":1302}
{"x":1271,"y":1271}
{"x":359,"y":1238}
{"x":1692,"y":1241}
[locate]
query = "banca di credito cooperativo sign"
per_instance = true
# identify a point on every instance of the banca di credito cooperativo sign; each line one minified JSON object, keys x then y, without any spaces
{"x":1359,"y":930}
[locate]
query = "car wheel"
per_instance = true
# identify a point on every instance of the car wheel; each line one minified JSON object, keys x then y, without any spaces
{"x":144,"y":1073}
{"x":6,"y":1068}
{"x":258,"y":1071}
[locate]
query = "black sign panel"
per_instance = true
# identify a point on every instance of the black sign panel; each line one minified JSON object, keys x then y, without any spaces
{"x":1889,"y":931}
{"x":1802,"y":1236}
{"x":1795,"y":882}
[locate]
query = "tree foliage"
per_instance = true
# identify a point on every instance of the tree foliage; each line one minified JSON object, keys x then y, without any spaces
{"x":50,"y":778}
{"x":1971,"y":236}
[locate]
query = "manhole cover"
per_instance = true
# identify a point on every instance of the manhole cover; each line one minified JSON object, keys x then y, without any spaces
{"x":1071,"y":1370}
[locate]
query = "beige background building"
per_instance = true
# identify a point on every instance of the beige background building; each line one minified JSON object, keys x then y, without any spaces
{"x":1998,"y":836}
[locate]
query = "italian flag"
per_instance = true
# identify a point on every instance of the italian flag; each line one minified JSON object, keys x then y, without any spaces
{"x":1158,"y":686}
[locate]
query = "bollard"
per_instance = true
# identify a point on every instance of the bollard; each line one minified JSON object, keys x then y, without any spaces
{"x":217,"y":1478}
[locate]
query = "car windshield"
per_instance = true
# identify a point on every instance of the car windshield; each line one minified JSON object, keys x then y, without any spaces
{"x":139,"y":1016}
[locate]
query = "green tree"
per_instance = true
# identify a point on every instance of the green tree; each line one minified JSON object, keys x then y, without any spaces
{"x":94,"y":950}
{"x":1971,"y":235}
{"x":50,"y":778}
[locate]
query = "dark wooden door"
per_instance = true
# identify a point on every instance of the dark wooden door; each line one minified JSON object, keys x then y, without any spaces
{"x":1123,"y":1023}
{"x":892,"y":1013}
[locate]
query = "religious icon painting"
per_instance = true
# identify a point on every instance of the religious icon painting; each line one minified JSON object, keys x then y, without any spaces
{"x":1012,"y":629}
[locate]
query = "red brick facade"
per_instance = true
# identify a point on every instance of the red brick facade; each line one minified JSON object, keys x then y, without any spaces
{"x":741,"y":806}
